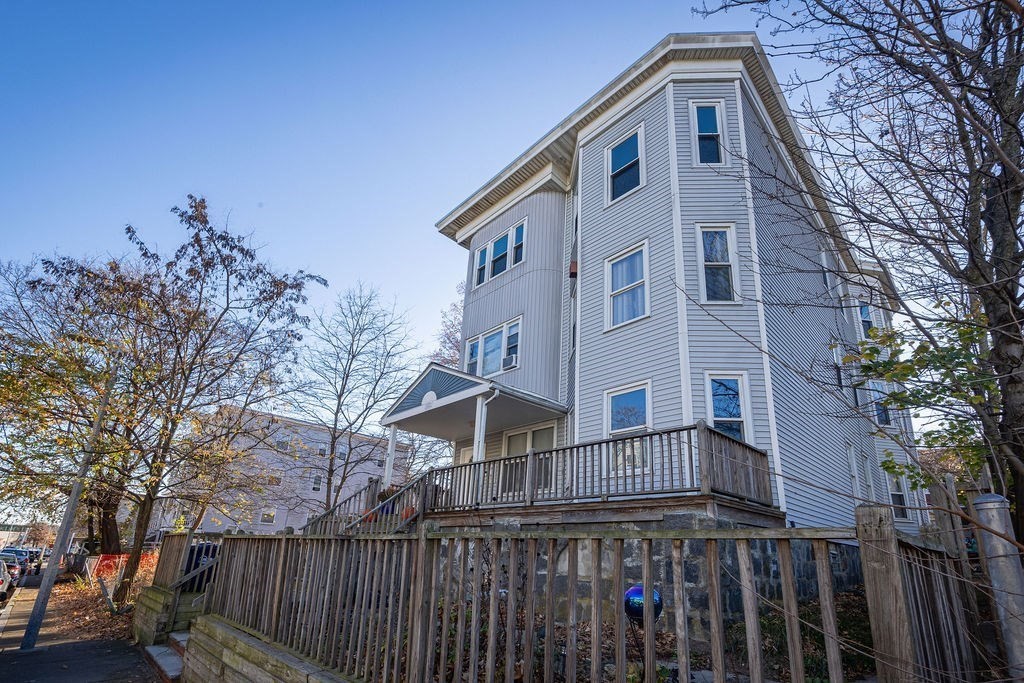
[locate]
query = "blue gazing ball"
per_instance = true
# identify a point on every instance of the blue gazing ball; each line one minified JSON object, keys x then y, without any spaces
{"x":634,"y":603}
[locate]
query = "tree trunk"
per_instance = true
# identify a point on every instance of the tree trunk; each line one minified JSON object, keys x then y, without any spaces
{"x":131,"y":566}
{"x":110,"y":536}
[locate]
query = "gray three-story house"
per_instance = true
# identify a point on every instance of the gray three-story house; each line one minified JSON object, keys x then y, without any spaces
{"x":656,"y":315}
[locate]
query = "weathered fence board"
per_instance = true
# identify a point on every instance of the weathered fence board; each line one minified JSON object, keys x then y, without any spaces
{"x":548,"y":605}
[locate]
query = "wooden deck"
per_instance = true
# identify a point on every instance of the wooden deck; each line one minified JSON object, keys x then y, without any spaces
{"x":689,"y":466}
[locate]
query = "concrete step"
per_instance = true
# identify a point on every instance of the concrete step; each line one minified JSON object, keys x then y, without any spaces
{"x":178,"y":641}
{"x":166,"y":661}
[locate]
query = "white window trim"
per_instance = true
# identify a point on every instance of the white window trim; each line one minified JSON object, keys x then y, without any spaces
{"x":504,"y":342}
{"x":465,"y":455}
{"x":314,"y":486}
{"x":526,"y":430}
{"x":734,"y":266}
{"x":719,"y":105}
{"x":744,"y":381}
{"x":906,"y":498}
{"x":488,"y":250}
{"x":265,"y":511}
{"x":608,"y":326}
{"x":639,"y":131}
{"x":625,"y":389}
{"x":869,"y":472}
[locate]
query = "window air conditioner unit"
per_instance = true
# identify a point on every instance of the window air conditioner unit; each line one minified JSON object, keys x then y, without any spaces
{"x":510,"y":361}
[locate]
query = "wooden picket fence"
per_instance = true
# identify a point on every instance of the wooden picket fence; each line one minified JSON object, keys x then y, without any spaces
{"x":547,"y":605}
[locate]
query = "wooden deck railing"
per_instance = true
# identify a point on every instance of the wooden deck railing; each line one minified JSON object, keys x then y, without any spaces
{"x":346,"y":511}
{"x":689,"y":460}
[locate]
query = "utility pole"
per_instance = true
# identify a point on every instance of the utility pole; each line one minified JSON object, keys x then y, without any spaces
{"x":60,"y":546}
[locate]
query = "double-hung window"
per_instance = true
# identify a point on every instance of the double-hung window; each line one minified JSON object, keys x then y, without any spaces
{"x":626,"y":281}
{"x":625,"y":165}
{"x":268,"y":516}
{"x":494,"y":351}
{"x":867,"y":321}
{"x":878,"y":394}
{"x":708,"y":132}
{"x":898,"y":497}
{"x":481,"y":267}
{"x":318,"y":481}
{"x":728,"y":404}
{"x":500,"y":254}
{"x":541,"y":440}
{"x":628,"y":412}
{"x":718,"y":267}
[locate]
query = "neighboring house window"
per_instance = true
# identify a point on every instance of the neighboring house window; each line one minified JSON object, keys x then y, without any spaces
{"x":494,"y":258}
{"x":866,"y":320}
{"x":718,"y":253}
{"x":626,"y":282}
{"x":318,"y":481}
{"x":837,"y":357}
{"x":282,"y":445}
{"x":882,"y":413}
{"x":268,"y":516}
{"x":321,"y":450}
{"x":625,"y":165}
{"x":629,"y":412}
{"x":898,"y":497}
{"x":727,"y":405}
{"x":500,"y":350}
{"x":709,"y":133}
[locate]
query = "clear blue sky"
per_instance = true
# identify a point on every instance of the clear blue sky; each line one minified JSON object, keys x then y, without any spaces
{"x":336,"y":133}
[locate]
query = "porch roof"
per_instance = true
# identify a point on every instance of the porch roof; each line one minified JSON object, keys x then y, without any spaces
{"x":441,"y":403}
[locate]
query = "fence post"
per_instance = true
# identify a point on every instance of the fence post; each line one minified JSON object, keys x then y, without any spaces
{"x":1006,"y":576}
{"x":883,"y":584}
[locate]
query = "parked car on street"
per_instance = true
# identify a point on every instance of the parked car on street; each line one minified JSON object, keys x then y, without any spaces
{"x":11,"y":568}
{"x":21,"y":554}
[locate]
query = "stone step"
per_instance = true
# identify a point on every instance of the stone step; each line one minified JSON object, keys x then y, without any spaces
{"x":166,"y":661}
{"x":178,"y":641}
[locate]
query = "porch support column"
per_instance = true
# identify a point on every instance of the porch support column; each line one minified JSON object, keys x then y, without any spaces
{"x":389,"y":463}
{"x":480,"y":429}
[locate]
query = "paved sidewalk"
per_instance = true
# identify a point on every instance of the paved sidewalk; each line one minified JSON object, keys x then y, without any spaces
{"x":58,"y":659}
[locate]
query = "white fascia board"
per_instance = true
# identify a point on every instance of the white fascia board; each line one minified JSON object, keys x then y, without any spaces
{"x":439,"y":403}
{"x":709,"y":70}
{"x":675,"y":41}
{"x":538,"y":179}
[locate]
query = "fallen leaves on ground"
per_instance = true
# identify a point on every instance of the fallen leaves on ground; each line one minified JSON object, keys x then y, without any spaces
{"x":80,"y":613}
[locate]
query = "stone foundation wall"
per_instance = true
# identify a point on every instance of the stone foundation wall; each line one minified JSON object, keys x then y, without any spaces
{"x":217,"y":652}
{"x":153,"y":609}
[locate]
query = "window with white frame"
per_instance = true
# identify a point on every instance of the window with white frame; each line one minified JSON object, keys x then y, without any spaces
{"x":628,"y":412}
{"x":626,"y":286}
{"x":625,"y":165}
{"x":878,"y":394}
{"x":318,"y":482}
{"x":707,"y":121}
{"x":867,"y":321}
{"x":728,"y":404}
{"x":494,"y":351}
{"x":898,"y":496}
{"x":268,"y":516}
{"x":500,"y":254}
{"x":863,"y":485}
{"x":718,"y":267}
{"x":513,"y":475}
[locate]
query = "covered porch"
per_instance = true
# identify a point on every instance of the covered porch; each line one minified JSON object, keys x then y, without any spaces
{"x":475,"y":414}
{"x":528,"y":468}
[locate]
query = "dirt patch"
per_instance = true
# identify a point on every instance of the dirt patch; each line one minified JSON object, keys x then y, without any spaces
{"x":77,"y":611}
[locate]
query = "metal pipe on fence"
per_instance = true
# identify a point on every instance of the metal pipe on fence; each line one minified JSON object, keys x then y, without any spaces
{"x":1006,"y":576}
